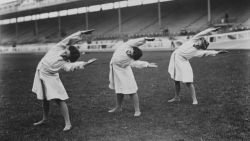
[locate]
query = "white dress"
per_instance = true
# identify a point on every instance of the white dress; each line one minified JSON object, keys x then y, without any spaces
{"x":47,"y":71}
{"x":121,"y":76}
{"x":179,"y":67}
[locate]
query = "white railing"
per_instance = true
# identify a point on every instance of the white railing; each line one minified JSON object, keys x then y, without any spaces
{"x":227,"y":37}
{"x":238,"y":40}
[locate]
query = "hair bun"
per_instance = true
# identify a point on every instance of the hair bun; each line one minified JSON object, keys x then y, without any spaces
{"x":137,"y":54}
{"x":74,"y":53}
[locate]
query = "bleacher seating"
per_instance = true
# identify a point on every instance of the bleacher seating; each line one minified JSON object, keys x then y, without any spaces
{"x":137,"y":21}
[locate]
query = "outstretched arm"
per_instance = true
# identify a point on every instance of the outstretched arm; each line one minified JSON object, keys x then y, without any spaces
{"x":204,"y":32}
{"x":77,"y":65}
{"x":139,"y":41}
{"x":143,"y":64}
{"x":73,"y":38}
{"x":203,"y":53}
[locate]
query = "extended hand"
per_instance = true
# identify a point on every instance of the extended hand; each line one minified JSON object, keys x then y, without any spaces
{"x":91,"y":61}
{"x":213,"y":29}
{"x":152,"y":65}
{"x":217,"y":28}
{"x":149,"y":39}
{"x":222,"y":52}
{"x":87,"y":31}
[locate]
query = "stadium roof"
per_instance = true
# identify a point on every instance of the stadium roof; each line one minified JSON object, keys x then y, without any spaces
{"x":5,"y":1}
{"x":57,"y":7}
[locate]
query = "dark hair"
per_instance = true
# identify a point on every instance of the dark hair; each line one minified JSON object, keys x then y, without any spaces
{"x":74,"y":53}
{"x":203,"y":45}
{"x":137,"y":54}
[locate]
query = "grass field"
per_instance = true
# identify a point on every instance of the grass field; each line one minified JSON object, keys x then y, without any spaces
{"x":222,"y":85}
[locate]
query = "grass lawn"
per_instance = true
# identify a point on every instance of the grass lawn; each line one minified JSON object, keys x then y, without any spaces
{"x":222,"y":86}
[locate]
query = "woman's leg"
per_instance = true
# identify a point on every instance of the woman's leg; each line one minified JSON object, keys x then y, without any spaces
{"x":65,"y":113}
{"x":177,"y":92}
{"x":135,"y":99}
{"x":192,"y":92}
{"x":45,"y":107}
{"x":118,"y":107}
{"x":45,"y":113}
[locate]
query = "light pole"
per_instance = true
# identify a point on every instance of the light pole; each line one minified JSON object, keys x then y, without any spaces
{"x":209,"y":11}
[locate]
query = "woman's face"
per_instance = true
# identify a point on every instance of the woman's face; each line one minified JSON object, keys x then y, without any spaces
{"x":130,"y":52}
{"x":66,"y":54}
{"x":201,"y":44}
{"x":197,"y":44}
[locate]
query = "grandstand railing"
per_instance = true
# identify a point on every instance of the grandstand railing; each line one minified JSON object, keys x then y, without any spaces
{"x":161,"y":43}
{"x":227,"y":37}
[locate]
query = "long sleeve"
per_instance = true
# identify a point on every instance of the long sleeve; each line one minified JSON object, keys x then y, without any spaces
{"x":65,"y":41}
{"x":131,"y":43}
{"x":73,"y":66}
{"x":139,"y":64}
{"x":136,"y":42}
{"x":203,"y":53}
{"x":203,"y":33}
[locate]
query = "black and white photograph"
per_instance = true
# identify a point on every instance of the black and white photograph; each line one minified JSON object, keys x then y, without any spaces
{"x":124,"y":70}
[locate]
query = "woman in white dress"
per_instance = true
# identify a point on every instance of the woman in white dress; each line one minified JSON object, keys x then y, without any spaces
{"x":179,"y":67}
{"x":121,"y":76}
{"x":47,"y":84}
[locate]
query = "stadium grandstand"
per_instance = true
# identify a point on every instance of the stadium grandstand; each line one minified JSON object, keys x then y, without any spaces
{"x":48,"y":21}
{"x":161,"y":84}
